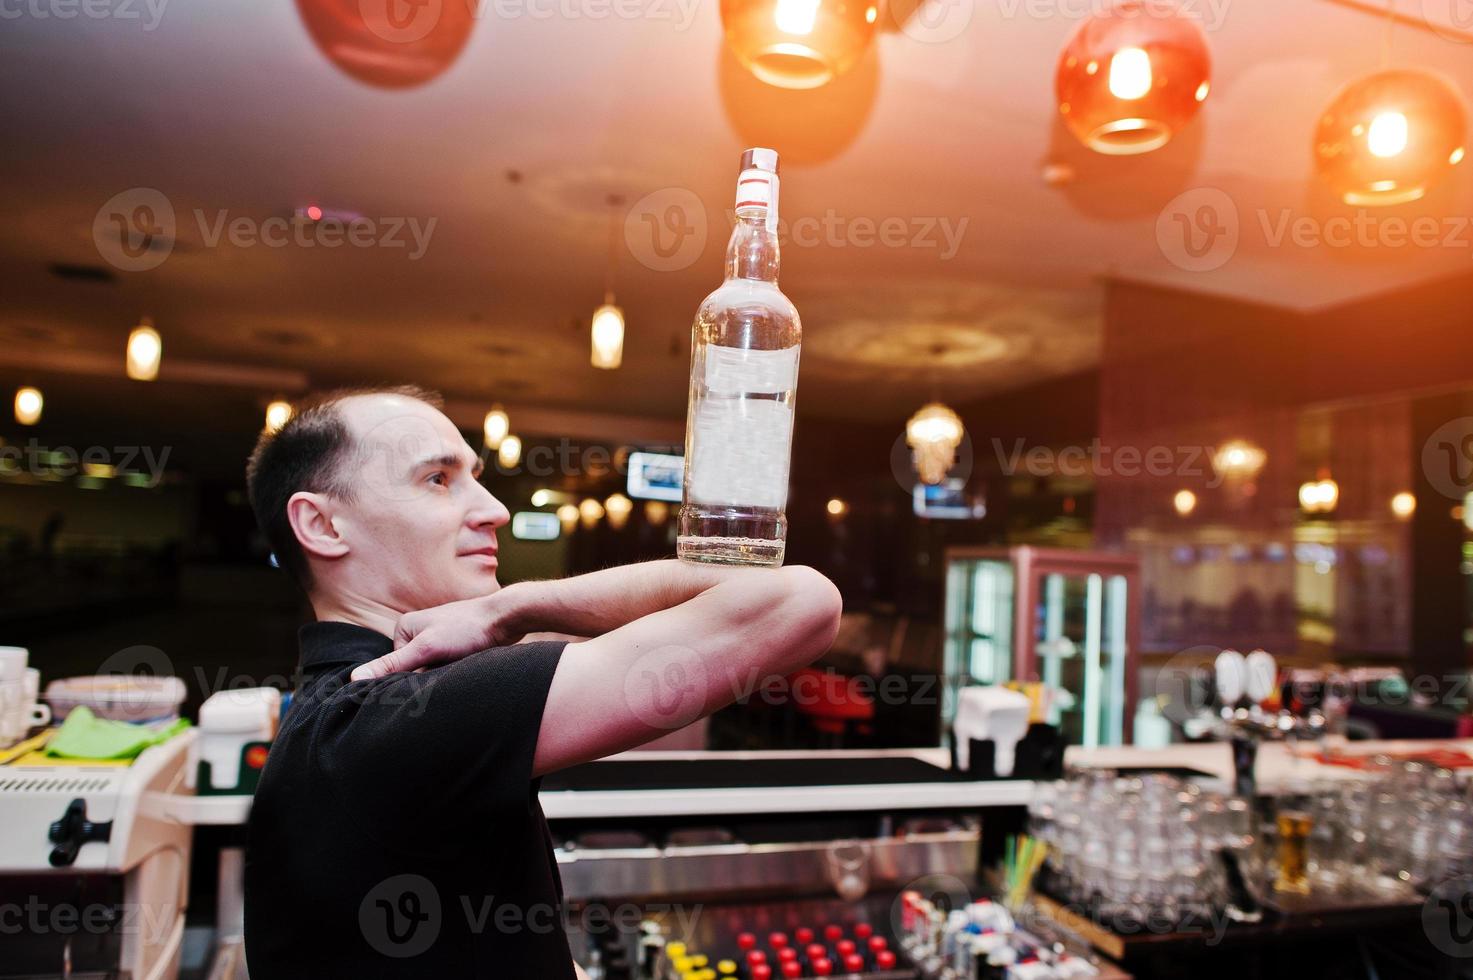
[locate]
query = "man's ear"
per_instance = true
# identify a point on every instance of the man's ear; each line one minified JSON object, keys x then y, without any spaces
{"x":310,"y":515}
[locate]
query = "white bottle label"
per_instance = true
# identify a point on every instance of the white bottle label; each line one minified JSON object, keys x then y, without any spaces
{"x":758,"y":189}
{"x":742,"y":443}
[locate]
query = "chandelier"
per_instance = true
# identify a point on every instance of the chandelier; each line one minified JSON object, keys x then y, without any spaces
{"x":933,"y":433}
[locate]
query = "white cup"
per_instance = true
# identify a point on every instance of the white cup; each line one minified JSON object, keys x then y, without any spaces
{"x":17,"y":721}
{"x":13,"y":663}
{"x":33,"y":683}
{"x":12,"y":695}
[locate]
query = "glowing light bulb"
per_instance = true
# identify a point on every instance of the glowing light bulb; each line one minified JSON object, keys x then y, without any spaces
{"x":796,"y":16}
{"x":496,"y":427}
{"x":145,"y":351}
{"x":1130,"y":73}
{"x":509,"y":453}
{"x":657,"y":512}
{"x":836,"y":507}
{"x":28,"y":405}
{"x":1388,"y":134}
{"x":1404,"y":504}
{"x":278,"y":413}
{"x":1185,"y":502}
{"x":567,"y":516}
{"x":590,"y":512}
{"x":540,"y":498}
{"x":618,"y":507}
{"x":608,"y":337}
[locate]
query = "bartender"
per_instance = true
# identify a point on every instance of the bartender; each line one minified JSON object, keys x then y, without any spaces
{"x":396,"y":831}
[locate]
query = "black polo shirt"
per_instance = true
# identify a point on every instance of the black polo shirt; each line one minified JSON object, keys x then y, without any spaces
{"x":396,"y":831}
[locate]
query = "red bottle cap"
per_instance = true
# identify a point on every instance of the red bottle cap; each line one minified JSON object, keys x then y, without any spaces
{"x":863,"y":930}
{"x":777,"y":939}
{"x":761,"y":972}
{"x":787,"y":954}
{"x":803,"y":935}
{"x":792,"y":969}
{"x":823,"y":967}
{"x":854,"y":963}
{"x":756,"y":956}
{"x":884,"y":959}
{"x":746,"y":940}
{"x":816,"y":951}
{"x":878,"y":943}
{"x":832,"y":932}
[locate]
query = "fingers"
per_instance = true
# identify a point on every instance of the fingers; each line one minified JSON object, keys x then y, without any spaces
{"x":402,"y":660}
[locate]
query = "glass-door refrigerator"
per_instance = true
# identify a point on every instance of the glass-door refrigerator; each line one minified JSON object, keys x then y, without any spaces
{"x":1067,"y":618}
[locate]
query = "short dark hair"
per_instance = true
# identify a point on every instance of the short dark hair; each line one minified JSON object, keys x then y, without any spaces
{"x":307,"y":453}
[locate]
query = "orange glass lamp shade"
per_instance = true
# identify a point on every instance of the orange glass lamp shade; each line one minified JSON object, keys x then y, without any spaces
{"x":799,"y":43}
{"x":386,"y":43}
{"x":1389,"y":136}
{"x":1132,"y":77}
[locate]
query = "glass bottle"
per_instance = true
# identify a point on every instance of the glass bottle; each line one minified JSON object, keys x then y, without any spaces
{"x":743,"y":390}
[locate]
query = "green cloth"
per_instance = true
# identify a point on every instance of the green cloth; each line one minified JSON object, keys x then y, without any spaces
{"x":85,"y":736}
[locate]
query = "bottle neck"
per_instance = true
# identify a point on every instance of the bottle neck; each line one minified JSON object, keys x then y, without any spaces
{"x":752,"y":251}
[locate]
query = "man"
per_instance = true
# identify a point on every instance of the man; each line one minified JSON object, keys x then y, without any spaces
{"x":396,"y":831}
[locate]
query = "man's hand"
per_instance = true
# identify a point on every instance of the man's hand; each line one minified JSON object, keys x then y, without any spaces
{"x":445,"y":633}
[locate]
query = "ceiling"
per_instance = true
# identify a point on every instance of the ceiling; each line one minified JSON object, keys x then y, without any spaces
{"x":1001,"y":227}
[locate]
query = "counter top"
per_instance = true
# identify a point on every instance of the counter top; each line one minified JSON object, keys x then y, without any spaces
{"x":1278,"y":768}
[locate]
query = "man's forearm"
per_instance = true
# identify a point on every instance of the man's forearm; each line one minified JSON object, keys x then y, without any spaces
{"x":595,"y":603}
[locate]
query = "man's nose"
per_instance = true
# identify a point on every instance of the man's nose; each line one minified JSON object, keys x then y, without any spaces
{"x":488,"y":510}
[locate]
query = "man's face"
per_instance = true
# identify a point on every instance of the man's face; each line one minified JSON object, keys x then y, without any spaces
{"x":420,"y":528}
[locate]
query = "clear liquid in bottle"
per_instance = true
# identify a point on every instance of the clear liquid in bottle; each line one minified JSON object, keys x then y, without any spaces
{"x":743,"y":392}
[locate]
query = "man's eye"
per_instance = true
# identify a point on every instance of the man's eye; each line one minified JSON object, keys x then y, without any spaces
{"x":438,"y":479}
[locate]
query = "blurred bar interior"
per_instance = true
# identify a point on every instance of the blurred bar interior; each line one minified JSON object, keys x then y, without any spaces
{"x":1134,"y":332}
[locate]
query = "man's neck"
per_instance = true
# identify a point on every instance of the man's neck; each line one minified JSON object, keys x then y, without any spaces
{"x":356,"y":610}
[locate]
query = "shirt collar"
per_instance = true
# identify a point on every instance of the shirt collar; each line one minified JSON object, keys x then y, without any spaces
{"x":328,"y":643}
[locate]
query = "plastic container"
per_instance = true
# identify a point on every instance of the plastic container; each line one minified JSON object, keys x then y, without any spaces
{"x":228,"y":721}
{"x":119,"y":697}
